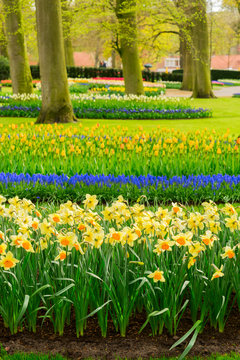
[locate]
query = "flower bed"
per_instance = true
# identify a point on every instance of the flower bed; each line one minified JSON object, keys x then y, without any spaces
{"x":8,"y":83}
{"x":115,"y":262}
{"x":113,"y":107}
{"x":111,"y":113}
{"x":98,"y":150}
{"x":185,"y":189}
{"x":109,"y":85}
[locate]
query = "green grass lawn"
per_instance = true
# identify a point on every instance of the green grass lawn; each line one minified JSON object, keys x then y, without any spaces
{"x":226,"y":115}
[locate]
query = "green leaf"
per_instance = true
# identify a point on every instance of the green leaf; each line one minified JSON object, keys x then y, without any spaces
{"x":154,"y":313}
{"x":96,"y":310}
{"x":184,"y":337}
{"x":62,"y":291}
{"x":24,"y":308}
{"x":191,"y":343}
{"x":41,"y":289}
{"x":223,"y":301}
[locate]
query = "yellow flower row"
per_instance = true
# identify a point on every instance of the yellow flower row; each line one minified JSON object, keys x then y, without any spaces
{"x":73,"y":228}
{"x":78,"y":141}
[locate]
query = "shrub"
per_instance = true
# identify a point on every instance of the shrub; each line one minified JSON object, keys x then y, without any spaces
{"x":216,"y":74}
{"x":4,"y":68}
{"x":78,"y":89}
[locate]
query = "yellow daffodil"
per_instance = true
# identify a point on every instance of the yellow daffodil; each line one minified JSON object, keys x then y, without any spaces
{"x":90,"y":202}
{"x":233,"y":223}
{"x":2,"y":248}
{"x":191,"y":261}
{"x":183,"y":239}
{"x":8,"y":261}
{"x":229,"y":210}
{"x":228,"y":252}
{"x":218,"y":273}
{"x":46,"y":228}
{"x":196,"y":248}
{"x":67,"y":240}
{"x":208,"y":239}
{"x":62,"y":255}
{"x":163,"y":245}
{"x":157,"y":276}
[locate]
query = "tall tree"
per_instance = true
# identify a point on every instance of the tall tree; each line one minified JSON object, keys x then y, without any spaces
{"x":185,"y":24}
{"x":126,"y":15}
{"x":3,"y":42}
{"x":202,"y":87}
{"x":56,"y":103}
{"x":187,"y":64}
{"x":19,"y":66}
{"x":3,"y":39}
{"x":67,"y":19}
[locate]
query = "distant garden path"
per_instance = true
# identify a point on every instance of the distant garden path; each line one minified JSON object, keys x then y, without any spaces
{"x":227,"y":91}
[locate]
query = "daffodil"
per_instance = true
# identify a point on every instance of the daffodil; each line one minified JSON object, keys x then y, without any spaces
{"x":62,"y":255}
{"x":55,"y":218}
{"x":67,"y":240}
{"x":196,"y":248}
{"x":233,"y":223}
{"x":128,"y":236}
{"x":157,"y":276}
{"x":183,"y":239}
{"x":191,"y":261}
{"x":228,"y":252}
{"x":26,"y":245}
{"x":3,"y":247}
{"x":229,"y":210}
{"x":218,"y":273}
{"x":163,"y":245}
{"x":46,"y":228}
{"x":18,"y":239}
{"x":208,"y":239}
{"x":35,"y":223}
{"x":90,"y":202}
{"x":8,"y":261}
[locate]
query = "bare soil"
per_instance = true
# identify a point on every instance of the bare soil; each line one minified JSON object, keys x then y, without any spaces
{"x":133,"y":346}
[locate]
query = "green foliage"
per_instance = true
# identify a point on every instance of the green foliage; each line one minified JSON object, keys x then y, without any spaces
{"x":78,"y":89}
{"x":35,"y":71}
{"x":217,"y":74}
{"x":108,"y":275}
{"x":111,"y":108}
{"x":91,"y":72}
{"x":28,"y":356}
{"x":4,"y":68}
{"x":106,"y":193}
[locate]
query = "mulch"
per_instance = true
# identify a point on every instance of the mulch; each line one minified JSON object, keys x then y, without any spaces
{"x":133,"y":346}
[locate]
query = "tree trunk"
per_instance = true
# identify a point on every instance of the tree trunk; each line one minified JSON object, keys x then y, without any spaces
{"x":187,"y":64}
{"x":66,"y":24}
{"x":97,"y":53}
{"x":113,"y":56}
{"x":56,"y":103}
{"x":19,"y":66}
{"x":68,"y":50}
{"x":126,"y":14}
{"x":3,"y":42}
{"x":238,"y":5}
{"x":202,"y":87}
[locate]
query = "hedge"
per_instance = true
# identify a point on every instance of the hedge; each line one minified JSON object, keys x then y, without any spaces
{"x":4,"y":68}
{"x":92,"y":72}
{"x":217,"y":74}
